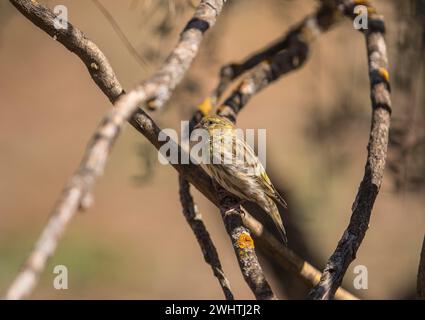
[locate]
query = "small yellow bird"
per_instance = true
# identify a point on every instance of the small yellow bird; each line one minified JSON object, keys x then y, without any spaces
{"x":244,"y":176}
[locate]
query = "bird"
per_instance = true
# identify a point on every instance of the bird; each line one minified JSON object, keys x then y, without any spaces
{"x":244,"y":176}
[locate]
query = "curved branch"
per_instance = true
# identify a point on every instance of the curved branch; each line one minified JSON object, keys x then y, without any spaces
{"x":353,"y":236}
{"x":154,"y":91}
{"x":284,"y":55}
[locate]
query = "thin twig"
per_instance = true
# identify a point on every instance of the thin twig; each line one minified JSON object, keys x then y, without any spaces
{"x":155,"y":91}
{"x":194,"y":219}
{"x":114,"y":24}
{"x":353,"y":236}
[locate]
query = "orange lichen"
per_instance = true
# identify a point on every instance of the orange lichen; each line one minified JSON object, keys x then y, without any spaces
{"x":245,"y":241}
{"x":371,"y":10}
{"x":205,"y":107}
{"x":384,"y":73}
{"x":361,"y":2}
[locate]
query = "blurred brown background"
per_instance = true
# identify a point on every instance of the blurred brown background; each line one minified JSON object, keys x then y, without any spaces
{"x":134,"y":242}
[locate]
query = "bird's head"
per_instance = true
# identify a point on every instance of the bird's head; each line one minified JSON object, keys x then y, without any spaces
{"x":215,"y":122}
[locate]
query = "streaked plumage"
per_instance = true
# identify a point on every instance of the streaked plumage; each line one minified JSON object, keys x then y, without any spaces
{"x":244,"y":176}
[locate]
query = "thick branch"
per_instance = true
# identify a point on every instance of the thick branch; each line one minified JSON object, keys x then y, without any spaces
{"x":155,"y":91}
{"x":243,"y":245}
{"x":353,"y":236}
{"x":194,"y":219}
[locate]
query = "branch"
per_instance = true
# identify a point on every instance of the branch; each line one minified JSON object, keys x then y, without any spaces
{"x":243,"y":245}
{"x":284,"y":55}
{"x":421,"y":274}
{"x":286,"y":258}
{"x":353,"y":236}
{"x":103,"y":75}
{"x":209,"y":251}
{"x":154,"y":91}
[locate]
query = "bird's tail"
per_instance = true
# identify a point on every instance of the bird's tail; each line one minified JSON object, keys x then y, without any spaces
{"x":275,"y":215}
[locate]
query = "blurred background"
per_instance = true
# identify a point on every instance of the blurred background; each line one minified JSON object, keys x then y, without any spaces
{"x":134,"y":242}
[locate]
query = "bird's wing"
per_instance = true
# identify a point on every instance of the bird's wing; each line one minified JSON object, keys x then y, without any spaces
{"x":270,"y":190}
{"x":257,"y":170}
{"x":254,"y":166}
